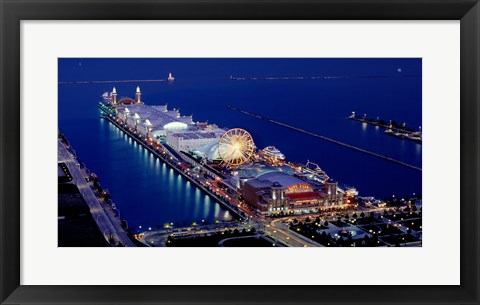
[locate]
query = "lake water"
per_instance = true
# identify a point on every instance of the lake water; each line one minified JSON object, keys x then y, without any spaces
{"x":148,"y":193}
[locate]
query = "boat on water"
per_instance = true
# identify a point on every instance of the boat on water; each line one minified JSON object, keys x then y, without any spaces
{"x":273,"y":152}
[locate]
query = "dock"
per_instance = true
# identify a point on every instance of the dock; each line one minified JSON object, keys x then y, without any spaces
{"x":399,"y":132}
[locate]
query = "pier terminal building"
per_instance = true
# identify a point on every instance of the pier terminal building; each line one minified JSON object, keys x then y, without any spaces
{"x":160,"y":123}
{"x":282,"y":193}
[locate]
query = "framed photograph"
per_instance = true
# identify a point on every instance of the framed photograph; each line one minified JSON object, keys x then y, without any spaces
{"x":239,"y":152}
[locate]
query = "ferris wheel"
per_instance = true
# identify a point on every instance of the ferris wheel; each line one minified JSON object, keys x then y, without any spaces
{"x":235,"y":147}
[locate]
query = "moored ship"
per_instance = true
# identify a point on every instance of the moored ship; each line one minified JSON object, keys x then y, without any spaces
{"x":274,"y":153}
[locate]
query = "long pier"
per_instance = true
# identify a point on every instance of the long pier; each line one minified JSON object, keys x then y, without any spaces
{"x":326,"y":139}
{"x":113,"y":81}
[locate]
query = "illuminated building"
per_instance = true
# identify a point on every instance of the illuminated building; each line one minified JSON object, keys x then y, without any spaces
{"x":167,"y":125}
{"x":282,"y":193}
{"x":149,"y":121}
{"x":193,"y":140}
{"x":331,"y":191}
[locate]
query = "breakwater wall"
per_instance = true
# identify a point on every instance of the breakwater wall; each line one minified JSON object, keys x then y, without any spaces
{"x":327,"y":139}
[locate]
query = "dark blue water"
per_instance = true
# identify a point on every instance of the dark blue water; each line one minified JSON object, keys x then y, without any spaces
{"x":149,"y":193}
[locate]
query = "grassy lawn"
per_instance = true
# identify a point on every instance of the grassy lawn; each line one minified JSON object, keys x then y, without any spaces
{"x":414,"y":224}
{"x":400,"y":239}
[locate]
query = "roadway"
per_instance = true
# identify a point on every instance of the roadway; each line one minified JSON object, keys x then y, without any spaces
{"x":280,"y":231}
{"x":276,"y":230}
{"x":158,"y":238}
{"x":104,"y":222}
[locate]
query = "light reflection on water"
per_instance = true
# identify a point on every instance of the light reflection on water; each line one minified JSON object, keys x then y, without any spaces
{"x":217,"y":211}
{"x":206,"y":206}
{"x":146,"y":190}
{"x":197,"y":200}
{"x":364,"y":127}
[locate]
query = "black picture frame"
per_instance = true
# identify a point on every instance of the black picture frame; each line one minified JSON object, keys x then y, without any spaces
{"x":13,"y":11}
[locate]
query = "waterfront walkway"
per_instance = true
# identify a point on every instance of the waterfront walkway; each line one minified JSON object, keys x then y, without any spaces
{"x":107,"y":225}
